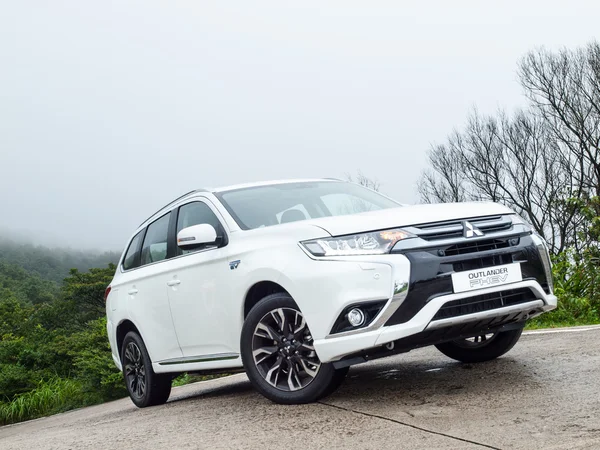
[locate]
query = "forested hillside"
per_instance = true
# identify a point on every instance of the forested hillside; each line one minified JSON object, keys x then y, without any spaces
{"x":54,"y":353}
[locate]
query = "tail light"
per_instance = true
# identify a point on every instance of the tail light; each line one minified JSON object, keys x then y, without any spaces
{"x":106,"y":292}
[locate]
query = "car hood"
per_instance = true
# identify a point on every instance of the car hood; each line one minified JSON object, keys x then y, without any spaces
{"x":406,"y":216}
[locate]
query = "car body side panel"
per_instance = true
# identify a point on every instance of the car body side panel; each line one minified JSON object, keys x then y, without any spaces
{"x":148,"y":309}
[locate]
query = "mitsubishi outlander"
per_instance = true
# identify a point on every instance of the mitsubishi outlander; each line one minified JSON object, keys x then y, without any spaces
{"x":295,"y":281}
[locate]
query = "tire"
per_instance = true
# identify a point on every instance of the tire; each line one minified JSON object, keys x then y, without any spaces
{"x":287,"y":360}
{"x":338,"y":378}
{"x":145,"y":387}
{"x":485,"y":350}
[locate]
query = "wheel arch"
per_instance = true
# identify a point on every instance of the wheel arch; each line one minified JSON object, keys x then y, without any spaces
{"x":122,"y":329}
{"x":258,"y":291}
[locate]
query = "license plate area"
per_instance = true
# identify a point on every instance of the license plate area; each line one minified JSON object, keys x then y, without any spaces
{"x":472,"y":280}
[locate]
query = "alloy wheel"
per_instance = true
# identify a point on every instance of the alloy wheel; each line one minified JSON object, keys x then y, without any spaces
{"x":283,"y":350}
{"x":135,"y":372}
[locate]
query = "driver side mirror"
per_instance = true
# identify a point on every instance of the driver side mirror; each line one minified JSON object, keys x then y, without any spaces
{"x":196,"y":236}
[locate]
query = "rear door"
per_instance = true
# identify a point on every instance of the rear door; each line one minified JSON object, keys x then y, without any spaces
{"x":143,"y":289}
{"x":199,"y":291}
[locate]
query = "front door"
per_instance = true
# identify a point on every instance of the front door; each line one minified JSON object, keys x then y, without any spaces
{"x":199,"y":291}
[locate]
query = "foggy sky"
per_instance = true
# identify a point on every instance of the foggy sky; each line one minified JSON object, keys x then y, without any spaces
{"x":108,"y":110}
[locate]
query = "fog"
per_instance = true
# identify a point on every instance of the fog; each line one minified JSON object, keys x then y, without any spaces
{"x":108,"y":110}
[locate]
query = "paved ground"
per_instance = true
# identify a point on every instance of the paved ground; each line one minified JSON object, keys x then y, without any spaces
{"x":543,"y":395}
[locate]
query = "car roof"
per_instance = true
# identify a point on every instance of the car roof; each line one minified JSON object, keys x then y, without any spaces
{"x":269,"y":183}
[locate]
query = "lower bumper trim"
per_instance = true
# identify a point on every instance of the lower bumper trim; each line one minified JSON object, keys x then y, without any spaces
{"x":533,"y":307}
{"x":515,"y":320}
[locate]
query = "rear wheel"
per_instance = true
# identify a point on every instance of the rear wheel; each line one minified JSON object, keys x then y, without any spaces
{"x":145,"y":387}
{"x":279,"y":355}
{"x":480,"y":348}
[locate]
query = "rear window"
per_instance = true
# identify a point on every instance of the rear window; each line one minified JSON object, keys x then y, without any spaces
{"x":132,"y":259}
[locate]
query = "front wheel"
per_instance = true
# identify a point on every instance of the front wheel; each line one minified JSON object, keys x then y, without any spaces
{"x":483,"y":347}
{"x":279,"y":355}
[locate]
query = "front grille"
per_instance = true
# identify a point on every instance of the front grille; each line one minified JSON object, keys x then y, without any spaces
{"x":482,"y":262}
{"x":432,"y":269}
{"x":484,"y":302}
{"x":455,"y":229}
{"x":476,"y":246}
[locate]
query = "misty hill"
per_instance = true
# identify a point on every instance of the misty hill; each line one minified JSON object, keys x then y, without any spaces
{"x":52,"y":264}
{"x":25,"y":287}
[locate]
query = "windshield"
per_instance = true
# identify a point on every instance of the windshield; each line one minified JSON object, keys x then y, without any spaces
{"x":263,"y":206}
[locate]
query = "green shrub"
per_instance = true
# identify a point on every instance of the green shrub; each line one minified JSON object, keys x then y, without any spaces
{"x":93,"y":364}
{"x":577,"y":286}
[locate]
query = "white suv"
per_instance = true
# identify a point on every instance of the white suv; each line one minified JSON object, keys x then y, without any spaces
{"x":295,"y":281}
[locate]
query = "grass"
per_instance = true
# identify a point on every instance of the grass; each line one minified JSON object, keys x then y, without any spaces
{"x":50,"y":397}
{"x":570,"y":312}
{"x":58,"y":395}
{"x":545,"y":322}
{"x":186,"y":378}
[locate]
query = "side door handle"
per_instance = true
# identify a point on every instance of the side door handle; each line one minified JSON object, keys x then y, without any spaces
{"x":173,"y":282}
{"x":132,"y":291}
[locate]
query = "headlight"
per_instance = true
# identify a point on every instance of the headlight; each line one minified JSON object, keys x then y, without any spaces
{"x":375,"y":243}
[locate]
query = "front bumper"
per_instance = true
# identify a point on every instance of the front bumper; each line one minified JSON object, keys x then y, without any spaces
{"x":334,"y":348}
{"x":417,"y":310}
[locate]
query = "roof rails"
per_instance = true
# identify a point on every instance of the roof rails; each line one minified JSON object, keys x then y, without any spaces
{"x":171,"y":202}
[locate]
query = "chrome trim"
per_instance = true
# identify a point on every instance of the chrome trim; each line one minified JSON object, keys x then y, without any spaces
{"x":457,"y":226}
{"x":418,"y":242}
{"x":199,"y":358}
{"x":400,"y":293}
{"x":545,"y":257}
{"x":522,"y":307}
{"x":187,"y":194}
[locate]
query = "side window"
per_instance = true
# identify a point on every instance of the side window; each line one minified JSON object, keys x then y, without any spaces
{"x":132,"y":256}
{"x":196,"y":213}
{"x":155,"y":242}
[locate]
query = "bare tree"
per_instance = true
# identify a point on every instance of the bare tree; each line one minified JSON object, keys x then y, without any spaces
{"x":444,"y":182}
{"x":544,"y":162}
{"x":564,"y":87}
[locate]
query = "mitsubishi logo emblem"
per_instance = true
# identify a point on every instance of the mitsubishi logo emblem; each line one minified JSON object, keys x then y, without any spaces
{"x":469,"y":230}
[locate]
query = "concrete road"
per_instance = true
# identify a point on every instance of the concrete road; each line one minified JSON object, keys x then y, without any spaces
{"x":545,"y":394}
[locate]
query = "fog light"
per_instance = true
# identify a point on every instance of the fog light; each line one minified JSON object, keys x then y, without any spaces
{"x":356,"y":317}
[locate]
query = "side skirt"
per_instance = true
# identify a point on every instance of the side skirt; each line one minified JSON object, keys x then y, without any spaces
{"x":199,"y":359}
